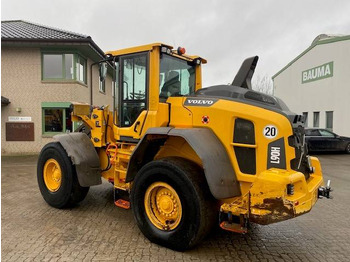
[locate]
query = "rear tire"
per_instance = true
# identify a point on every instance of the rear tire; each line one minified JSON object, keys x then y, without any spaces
{"x":186,"y":189}
{"x":57,"y":178}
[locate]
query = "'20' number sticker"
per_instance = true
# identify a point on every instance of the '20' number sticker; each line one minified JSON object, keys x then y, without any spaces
{"x":270,"y":131}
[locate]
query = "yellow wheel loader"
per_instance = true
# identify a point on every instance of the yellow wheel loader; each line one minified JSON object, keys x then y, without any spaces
{"x":183,"y":157}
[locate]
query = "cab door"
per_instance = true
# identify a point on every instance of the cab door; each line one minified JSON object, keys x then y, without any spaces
{"x":133,"y":95}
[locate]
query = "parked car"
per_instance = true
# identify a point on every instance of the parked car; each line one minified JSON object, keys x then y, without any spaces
{"x":323,"y":140}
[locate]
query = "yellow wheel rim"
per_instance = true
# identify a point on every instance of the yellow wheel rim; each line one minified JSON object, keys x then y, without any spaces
{"x":163,"y":206}
{"x":52,"y":175}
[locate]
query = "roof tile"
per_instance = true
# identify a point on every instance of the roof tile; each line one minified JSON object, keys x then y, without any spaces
{"x":23,"y":30}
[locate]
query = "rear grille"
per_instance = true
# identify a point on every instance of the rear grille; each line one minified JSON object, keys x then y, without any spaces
{"x":244,"y":145}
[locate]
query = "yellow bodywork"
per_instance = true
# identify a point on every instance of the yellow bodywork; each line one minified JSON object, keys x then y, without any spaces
{"x":267,"y":201}
{"x":263,"y":198}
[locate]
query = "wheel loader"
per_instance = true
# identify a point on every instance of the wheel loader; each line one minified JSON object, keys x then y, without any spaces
{"x":183,"y":157}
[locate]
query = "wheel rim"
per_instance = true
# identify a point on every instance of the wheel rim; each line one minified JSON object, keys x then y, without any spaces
{"x":163,"y":206}
{"x":52,"y":175}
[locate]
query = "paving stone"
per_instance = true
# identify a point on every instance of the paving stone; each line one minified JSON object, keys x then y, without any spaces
{"x":96,"y":230}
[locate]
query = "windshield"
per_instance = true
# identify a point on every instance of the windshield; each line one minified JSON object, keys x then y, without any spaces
{"x":177,"y":77}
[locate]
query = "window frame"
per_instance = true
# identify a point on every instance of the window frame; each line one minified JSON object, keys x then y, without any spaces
{"x":51,"y":106}
{"x":116,"y":92}
{"x":121,"y":100}
{"x":76,"y":58}
{"x":318,"y":119}
{"x":329,"y":113}
{"x":102,"y":86}
{"x":306,"y":118}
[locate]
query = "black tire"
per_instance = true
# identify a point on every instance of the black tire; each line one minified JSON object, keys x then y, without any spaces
{"x":199,"y":210}
{"x":69,"y":192}
{"x":347,"y":148}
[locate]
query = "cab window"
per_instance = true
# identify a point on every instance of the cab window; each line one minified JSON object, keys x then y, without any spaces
{"x":134,"y":85}
{"x":177,"y":77}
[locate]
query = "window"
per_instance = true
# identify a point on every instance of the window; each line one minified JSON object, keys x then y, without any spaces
{"x":329,"y":120}
{"x":102,"y":86}
{"x":312,"y":132}
{"x":316,"y":119}
{"x":81,"y":69}
{"x":63,"y":67}
{"x":305,"y":114}
{"x":177,"y":77}
{"x":56,"y":118}
{"x":134,"y":76}
{"x":326,"y":133}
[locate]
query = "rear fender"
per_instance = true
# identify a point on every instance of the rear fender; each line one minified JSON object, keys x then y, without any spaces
{"x":218,"y":170}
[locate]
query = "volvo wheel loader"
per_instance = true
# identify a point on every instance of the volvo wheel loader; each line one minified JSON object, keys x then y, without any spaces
{"x":181,"y":156}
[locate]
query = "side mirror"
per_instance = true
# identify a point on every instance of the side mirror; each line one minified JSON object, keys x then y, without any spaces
{"x":103,"y":71}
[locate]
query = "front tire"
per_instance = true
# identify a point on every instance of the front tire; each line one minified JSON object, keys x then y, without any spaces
{"x":172,"y":204}
{"x":57,"y":178}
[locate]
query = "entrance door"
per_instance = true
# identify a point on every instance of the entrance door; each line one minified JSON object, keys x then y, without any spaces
{"x":133,"y":91}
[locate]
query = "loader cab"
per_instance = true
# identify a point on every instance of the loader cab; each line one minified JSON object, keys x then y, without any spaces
{"x":145,"y":77}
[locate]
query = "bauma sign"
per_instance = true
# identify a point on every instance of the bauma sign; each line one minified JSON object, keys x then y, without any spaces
{"x":317,"y":73}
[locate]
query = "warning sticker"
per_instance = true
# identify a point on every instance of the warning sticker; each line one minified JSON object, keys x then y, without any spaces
{"x":205,"y":119}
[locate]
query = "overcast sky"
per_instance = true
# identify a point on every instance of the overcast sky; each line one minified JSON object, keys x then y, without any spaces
{"x":224,"y":32}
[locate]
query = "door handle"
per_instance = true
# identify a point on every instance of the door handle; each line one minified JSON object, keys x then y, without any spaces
{"x":136,"y":125}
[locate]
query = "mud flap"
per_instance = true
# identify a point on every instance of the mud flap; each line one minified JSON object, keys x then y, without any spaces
{"x":84,"y":156}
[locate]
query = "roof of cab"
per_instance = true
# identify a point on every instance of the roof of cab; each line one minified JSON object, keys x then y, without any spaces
{"x":149,"y":47}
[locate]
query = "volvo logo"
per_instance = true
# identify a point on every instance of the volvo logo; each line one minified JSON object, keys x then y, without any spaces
{"x":199,"y":102}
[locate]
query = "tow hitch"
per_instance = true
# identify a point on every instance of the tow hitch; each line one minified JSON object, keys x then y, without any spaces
{"x":325,"y":191}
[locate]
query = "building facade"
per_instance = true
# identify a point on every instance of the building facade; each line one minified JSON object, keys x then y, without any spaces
{"x":43,"y":70}
{"x":316,"y":84}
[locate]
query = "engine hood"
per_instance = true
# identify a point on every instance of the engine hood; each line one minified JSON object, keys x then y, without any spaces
{"x":247,"y":96}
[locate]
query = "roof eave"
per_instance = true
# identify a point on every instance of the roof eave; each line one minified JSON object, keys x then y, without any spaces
{"x":320,"y":42}
{"x":88,"y":41}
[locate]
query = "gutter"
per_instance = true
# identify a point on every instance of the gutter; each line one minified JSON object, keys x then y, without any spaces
{"x":48,"y":41}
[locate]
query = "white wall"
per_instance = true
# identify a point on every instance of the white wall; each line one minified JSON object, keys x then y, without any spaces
{"x":329,"y":94}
